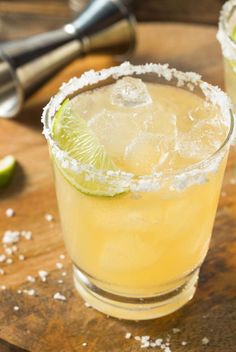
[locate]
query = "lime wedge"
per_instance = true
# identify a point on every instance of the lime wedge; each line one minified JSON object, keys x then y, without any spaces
{"x":233,"y":34}
{"x":7,"y":166}
{"x":72,"y":135}
{"x":233,"y":37}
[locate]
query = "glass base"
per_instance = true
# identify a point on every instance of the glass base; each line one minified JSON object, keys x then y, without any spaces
{"x":135,"y":308}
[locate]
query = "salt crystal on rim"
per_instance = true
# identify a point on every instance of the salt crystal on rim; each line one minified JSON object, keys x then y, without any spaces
{"x":16,"y":308}
{"x":60,"y":281}
{"x":64,"y":273}
{"x":176,"y":330}
{"x":62,"y":256}
{"x":9,"y":261}
{"x":21,"y":257}
{"x":87,"y":305}
{"x":183,"y":343}
{"x":10,"y":212}
{"x":2,"y":272}
{"x":3,"y":287}
{"x":84,"y":344}
{"x":59,"y":296}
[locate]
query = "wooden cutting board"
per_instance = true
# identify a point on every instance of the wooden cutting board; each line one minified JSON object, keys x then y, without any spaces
{"x":42,"y":324}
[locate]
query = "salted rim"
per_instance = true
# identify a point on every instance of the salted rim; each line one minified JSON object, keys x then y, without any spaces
{"x":195,"y":173}
{"x":228,"y":45}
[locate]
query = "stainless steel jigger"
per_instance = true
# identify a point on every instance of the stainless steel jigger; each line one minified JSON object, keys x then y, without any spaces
{"x":105,"y":26}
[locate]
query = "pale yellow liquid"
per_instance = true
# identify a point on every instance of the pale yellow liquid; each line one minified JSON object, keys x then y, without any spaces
{"x":143,"y":243}
{"x":230,"y":79}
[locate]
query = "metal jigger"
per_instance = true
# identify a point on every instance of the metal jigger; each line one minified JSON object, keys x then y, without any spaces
{"x":105,"y":26}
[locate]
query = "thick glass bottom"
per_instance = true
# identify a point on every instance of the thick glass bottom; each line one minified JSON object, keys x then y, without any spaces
{"x":142,"y":308}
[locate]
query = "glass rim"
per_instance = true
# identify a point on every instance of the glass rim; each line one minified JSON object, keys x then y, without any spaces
{"x":223,"y":34}
{"x":191,"y":80}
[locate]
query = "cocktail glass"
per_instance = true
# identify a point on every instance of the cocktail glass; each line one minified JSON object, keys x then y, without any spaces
{"x":226,"y":35}
{"x":137,"y":242}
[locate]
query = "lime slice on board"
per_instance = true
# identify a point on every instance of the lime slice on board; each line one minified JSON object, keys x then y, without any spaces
{"x":72,"y":135}
{"x":7,"y":167}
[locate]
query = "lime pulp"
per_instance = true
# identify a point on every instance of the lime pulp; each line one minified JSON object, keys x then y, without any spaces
{"x":72,"y":135}
{"x":7,"y":166}
{"x":233,"y":37}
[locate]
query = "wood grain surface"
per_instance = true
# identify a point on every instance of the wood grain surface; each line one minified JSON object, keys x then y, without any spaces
{"x":44,"y":325}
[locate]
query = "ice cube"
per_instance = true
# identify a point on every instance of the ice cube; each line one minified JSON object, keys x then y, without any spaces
{"x":203,"y":112}
{"x":200,"y":113}
{"x":84,"y":105}
{"x":114,"y":130}
{"x":130,"y":92}
{"x":202,"y":140}
{"x":163,"y":123}
{"x":148,"y":152}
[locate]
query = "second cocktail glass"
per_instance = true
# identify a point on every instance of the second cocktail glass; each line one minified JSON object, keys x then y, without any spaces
{"x":227,"y":37}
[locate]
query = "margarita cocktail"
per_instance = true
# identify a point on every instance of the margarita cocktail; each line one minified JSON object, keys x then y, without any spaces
{"x":139,"y":154}
{"x":227,"y":38}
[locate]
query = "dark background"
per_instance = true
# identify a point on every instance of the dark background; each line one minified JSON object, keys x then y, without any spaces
{"x":23,"y":17}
